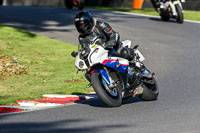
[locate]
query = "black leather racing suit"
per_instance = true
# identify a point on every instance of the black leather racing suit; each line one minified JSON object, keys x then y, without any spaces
{"x":102,"y":31}
{"x":154,"y":3}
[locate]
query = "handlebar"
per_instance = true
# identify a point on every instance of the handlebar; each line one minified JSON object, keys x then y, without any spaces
{"x":74,"y":54}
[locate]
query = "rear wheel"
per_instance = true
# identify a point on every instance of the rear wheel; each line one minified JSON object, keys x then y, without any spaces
{"x":150,"y":89}
{"x":165,"y":18}
{"x":179,"y":17}
{"x":111,"y":97}
{"x":1,"y":2}
{"x":68,"y":4}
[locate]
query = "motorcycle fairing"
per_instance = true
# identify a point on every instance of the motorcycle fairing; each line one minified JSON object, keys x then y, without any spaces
{"x":126,"y":43}
{"x":104,"y":75}
{"x":117,"y":64}
{"x":146,"y":74}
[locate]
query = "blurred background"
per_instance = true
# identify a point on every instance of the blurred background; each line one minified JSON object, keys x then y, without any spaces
{"x":188,"y":5}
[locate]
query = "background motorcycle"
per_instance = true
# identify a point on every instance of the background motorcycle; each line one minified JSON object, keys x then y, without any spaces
{"x":113,"y":77}
{"x":170,"y":9}
{"x":70,"y":3}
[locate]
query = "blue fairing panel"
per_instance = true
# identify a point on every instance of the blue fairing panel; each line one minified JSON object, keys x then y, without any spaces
{"x":104,"y":75}
{"x":112,"y":63}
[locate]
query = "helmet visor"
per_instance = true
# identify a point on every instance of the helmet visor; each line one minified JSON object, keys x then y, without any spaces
{"x":84,"y":27}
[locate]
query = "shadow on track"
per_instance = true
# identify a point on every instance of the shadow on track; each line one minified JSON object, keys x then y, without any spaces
{"x":51,"y":19}
{"x":61,"y":126}
{"x":37,"y":18}
{"x":98,"y":103}
{"x":160,"y":20}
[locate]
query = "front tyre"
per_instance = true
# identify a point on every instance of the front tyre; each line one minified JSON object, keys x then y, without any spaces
{"x":112,"y":98}
{"x":179,"y":17}
{"x":81,"y":4}
{"x":150,"y":89}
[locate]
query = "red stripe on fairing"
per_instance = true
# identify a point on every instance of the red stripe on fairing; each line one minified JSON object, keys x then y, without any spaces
{"x":92,"y":71}
{"x":111,"y":30}
{"x":124,"y":64}
{"x":108,"y":60}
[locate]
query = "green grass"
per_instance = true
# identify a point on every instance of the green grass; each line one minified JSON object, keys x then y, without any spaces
{"x":189,"y":15}
{"x":51,"y":67}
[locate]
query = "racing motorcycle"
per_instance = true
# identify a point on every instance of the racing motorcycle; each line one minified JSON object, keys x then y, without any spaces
{"x":114,"y":78}
{"x":170,"y":9}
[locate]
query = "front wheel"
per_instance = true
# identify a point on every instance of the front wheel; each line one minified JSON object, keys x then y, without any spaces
{"x":179,"y":17}
{"x":111,"y":97}
{"x":150,"y":89}
{"x":80,"y":4}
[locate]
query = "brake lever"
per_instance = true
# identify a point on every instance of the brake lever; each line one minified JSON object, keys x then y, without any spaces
{"x":136,"y":46}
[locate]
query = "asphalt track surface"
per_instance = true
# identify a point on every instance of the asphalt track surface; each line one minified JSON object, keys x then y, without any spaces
{"x":171,"y":51}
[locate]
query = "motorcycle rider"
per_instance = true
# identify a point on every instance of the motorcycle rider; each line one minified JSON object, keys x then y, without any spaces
{"x":155,"y":4}
{"x":158,"y":5}
{"x":90,"y":29}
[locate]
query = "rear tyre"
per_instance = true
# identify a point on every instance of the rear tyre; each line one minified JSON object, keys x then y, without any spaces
{"x":68,"y":4}
{"x":180,"y":16}
{"x":165,"y":18}
{"x":1,"y":2}
{"x":111,"y":100}
{"x":150,"y":89}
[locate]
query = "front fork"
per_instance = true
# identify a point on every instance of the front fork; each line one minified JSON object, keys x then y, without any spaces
{"x":105,"y":76}
{"x":172,"y":5}
{"x":111,"y":83}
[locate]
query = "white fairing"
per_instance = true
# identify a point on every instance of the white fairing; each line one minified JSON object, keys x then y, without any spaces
{"x":98,"y":55}
{"x":126,"y":43}
{"x":122,"y":60}
{"x":140,"y":55}
{"x":78,"y":60}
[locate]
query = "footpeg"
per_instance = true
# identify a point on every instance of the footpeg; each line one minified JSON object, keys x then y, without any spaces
{"x":89,"y":85}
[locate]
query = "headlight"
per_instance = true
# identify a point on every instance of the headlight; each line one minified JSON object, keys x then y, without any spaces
{"x":81,"y":64}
